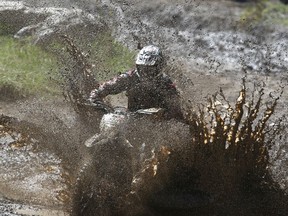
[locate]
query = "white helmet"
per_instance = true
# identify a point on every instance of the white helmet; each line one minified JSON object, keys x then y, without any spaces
{"x":149,"y":56}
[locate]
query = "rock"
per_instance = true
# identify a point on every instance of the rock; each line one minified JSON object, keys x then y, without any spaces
{"x":14,"y":16}
{"x":6,"y":139}
{"x":46,"y":22}
{"x":192,"y":34}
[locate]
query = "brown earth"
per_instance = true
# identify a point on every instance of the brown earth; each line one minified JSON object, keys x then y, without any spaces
{"x":50,"y":113}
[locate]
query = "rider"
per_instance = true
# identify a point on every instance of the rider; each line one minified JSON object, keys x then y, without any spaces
{"x":145,"y":86}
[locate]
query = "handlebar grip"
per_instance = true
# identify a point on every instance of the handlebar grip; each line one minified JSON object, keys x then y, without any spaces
{"x":99,"y":104}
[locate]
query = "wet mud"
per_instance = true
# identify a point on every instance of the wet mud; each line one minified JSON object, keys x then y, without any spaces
{"x":41,"y":143}
{"x":28,"y":175}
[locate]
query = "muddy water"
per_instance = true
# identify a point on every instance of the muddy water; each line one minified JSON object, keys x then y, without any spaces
{"x":9,"y":208}
{"x":29,"y":175}
{"x":193,"y":35}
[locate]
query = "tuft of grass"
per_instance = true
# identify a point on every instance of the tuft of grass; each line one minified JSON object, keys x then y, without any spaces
{"x":264,"y":11}
{"x":276,"y":13}
{"x":26,"y":68}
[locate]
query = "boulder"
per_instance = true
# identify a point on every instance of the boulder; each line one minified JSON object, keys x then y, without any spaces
{"x":43,"y":24}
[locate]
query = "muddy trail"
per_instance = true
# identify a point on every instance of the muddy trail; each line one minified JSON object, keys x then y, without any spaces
{"x":42,"y":153}
{"x":44,"y":158}
{"x":40,"y":156}
{"x":33,"y":179}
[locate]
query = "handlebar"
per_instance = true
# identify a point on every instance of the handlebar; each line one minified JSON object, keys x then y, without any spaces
{"x":99,"y":105}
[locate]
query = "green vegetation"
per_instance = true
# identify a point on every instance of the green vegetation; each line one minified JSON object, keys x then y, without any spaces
{"x":4,"y":29}
{"x":110,"y":57}
{"x":26,"y":68}
{"x":277,"y":13}
{"x":265,"y":11}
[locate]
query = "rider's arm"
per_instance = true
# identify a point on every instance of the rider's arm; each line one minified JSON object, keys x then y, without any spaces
{"x":114,"y":86}
{"x":171,"y":95}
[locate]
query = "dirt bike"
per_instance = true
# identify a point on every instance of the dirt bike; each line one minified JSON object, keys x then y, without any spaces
{"x":104,"y":181}
{"x":125,"y":141}
{"x":114,"y":122}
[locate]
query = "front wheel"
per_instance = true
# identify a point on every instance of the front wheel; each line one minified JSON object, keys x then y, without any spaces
{"x":83,"y":197}
{"x":104,"y":182}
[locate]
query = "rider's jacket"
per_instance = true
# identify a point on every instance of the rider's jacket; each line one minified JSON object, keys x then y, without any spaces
{"x":142,"y":92}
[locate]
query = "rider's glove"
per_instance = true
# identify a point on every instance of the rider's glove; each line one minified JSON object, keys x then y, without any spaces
{"x":94,"y":97}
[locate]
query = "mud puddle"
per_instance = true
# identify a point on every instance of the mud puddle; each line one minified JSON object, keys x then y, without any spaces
{"x":29,"y":175}
{"x":10,"y":208}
